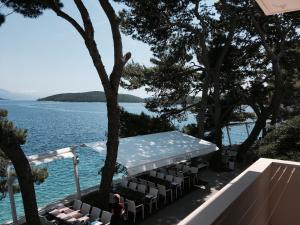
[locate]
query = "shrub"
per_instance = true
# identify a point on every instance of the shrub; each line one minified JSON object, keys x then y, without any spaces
{"x":282,"y":142}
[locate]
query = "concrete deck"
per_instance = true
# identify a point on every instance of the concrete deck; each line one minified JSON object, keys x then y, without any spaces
{"x":179,"y":209}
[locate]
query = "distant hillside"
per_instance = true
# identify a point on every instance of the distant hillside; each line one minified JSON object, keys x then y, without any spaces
{"x":93,"y":96}
{"x":15,"y":96}
{"x":2,"y":99}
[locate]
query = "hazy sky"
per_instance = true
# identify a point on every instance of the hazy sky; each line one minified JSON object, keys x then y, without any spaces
{"x":47,"y":56}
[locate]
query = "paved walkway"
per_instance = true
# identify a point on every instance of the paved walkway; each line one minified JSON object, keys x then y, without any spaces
{"x":179,"y":209}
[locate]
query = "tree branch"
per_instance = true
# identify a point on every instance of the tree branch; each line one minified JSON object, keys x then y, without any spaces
{"x":88,"y":26}
{"x":52,"y":4}
{"x":119,"y":59}
{"x":262,"y":36}
{"x":226,"y":46}
{"x":177,"y":111}
{"x":89,"y":39}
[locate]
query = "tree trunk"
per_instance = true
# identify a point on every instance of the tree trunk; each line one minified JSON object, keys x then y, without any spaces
{"x":113,"y":115}
{"x":202,"y":108}
{"x":259,"y":125}
{"x":279,"y":89}
{"x":110,"y":83}
{"x":217,"y":109}
{"x":11,"y":147}
{"x":272,"y":109}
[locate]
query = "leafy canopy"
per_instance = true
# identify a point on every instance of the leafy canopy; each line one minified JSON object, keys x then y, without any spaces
{"x":283,"y":142}
{"x":133,"y":125}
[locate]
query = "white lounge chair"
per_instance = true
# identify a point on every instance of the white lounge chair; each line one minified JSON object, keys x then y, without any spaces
{"x":169,"y":178}
{"x":142,"y":188}
{"x":153,"y":173}
{"x":77,"y":205}
{"x":161,"y":176}
{"x":132,"y":186}
{"x":95,"y":214}
{"x":179,"y":184}
{"x":153,"y":198}
{"x":163,"y":192}
{"x":105,"y":217}
{"x":131,"y":207}
{"x":85,"y":209}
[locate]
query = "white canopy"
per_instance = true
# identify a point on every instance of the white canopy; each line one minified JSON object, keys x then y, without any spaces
{"x":50,"y":156}
{"x":146,"y":152}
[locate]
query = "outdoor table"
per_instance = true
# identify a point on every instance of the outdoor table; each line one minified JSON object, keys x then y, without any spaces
{"x":65,"y":209}
{"x":127,"y":193}
{"x":167,"y":184}
{"x":199,"y":165}
{"x":77,"y":219}
{"x":156,"y":180}
{"x":67,"y":215}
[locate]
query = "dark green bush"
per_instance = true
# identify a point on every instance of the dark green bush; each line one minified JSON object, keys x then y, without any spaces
{"x":133,"y":125}
{"x":282,"y":142}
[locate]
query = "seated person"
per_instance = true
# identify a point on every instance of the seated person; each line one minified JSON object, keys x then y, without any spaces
{"x":117,"y":211}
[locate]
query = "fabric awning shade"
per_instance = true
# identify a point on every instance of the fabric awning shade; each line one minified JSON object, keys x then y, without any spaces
{"x":63,"y":153}
{"x":146,"y":152}
{"x":271,"y":7}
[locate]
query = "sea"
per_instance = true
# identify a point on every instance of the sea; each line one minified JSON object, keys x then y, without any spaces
{"x":54,"y":125}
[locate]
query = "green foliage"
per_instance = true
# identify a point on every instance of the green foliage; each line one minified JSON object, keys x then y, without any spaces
{"x":282,"y":142}
{"x":40,"y":174}
{"x":187,"y":38}
{"x":133,"y":125}
{"x":92,"y":96}
{"x":28,"y":8}
{"x":119,"y":169}
{"x":9,"y":127}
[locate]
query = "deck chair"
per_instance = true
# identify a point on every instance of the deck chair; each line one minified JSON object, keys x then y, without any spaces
{"x":153,"y":196}
{"x":179,"y":166}
{"x":179,"y":184}
{"x":133,"y":208}
{"x":153,"y":173}
{"x":77,"y":204}
{"x":163,"y":192}
{"x":95,"y":214}
{"x":132,"y":186}
{"x":161,"y":176}
{"x":169,"y":178}
{"x":194,"y":171}
{"x":105,"y":217}
{"x":151,"y":184}
{"x":85,"y":209}
{"x":142,"y":188}
{"x":172,"y":172}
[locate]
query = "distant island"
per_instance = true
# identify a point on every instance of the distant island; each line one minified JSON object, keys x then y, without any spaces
{"x":2,"y":98}
{"x":92,"y":96}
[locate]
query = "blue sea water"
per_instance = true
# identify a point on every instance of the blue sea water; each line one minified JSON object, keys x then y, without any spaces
{"x":54,"y":125}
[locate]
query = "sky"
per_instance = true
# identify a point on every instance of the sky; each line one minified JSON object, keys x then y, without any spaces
{"x":46,"y":56}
